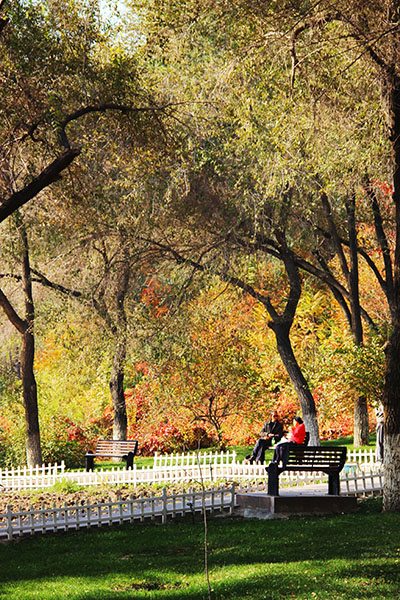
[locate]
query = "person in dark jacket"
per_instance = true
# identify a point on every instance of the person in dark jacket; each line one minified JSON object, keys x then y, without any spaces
{"x":272,"y":431}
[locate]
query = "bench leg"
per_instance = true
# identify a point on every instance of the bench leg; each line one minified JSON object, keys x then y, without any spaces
{"x":89,"y":462}
{"x":273,"y":479}
{"x":129,"y":460}
{"x":333,"y":484}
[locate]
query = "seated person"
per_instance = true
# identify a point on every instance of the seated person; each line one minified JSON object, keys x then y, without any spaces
{"x":272,"y":429}
{"x":297,"y":437}
{"x":284,"y":438}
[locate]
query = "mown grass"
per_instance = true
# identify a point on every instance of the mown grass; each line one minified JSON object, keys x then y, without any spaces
{"x":350,"y":557}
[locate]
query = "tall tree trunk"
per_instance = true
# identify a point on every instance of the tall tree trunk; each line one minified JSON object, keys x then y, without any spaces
{"x":391,"y":402}
{"x":32,"y":432}
{"x":120,"y":424}
{"x":361,"y":419}
{"x":300,"y":384}
{"x":361,"y":422}
{"x":33,"y":447}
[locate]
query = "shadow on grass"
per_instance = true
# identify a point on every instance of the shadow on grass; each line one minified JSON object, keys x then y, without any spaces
{"x":246,"y":558}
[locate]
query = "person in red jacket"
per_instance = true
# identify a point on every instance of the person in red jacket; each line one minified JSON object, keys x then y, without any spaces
{"x":297,"y":437}
{"x":298,"y":431}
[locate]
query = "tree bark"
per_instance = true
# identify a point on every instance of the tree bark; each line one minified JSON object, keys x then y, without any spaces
{"x":298,"y":380}
{"x":32,"y":431}
{"x":391,"y":401}
{"x":361,"y":422}
{"x":120,"y":425}
{"x":33,"y":447}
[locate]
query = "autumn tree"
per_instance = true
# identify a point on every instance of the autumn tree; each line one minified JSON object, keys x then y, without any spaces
{"x":306,"y":40}
{"x":95,"y":252}
{"x":202,"y":356}
{"x":60,"y":74}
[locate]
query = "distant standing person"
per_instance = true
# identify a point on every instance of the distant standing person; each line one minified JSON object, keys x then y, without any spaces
{"x":272,"y":429}
{"x":379,"y":433}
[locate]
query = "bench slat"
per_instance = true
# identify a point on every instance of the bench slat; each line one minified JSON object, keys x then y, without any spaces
{"x":328,"y":459}
{"x":125,"y":449}
{"x":115,"y":447}
{"x":314,"y":458}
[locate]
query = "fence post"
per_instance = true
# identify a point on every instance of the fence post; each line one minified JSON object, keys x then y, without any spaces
{"x":9,"y":522}
{"x":232,"y":505}
{"x":164,"y":505}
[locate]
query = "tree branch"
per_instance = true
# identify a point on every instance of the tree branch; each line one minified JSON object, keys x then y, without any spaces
{"x":383,"y":244}
{"x":44,"y":179}
{"x":101,"y":108}
{"x":320,"y":21}
{"x":14,"y":318}
{"x":55,"y":286}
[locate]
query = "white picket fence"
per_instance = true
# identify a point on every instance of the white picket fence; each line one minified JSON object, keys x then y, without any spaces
{"x":141,"y":476}
{"x":22,"y":478}
{"x":361,"y":457}
{"x":210,"y":466}
{"x":193,"y":459}
{"x":362,"y":483}
{"x":15,"y":523}
{"x":64,"y":518}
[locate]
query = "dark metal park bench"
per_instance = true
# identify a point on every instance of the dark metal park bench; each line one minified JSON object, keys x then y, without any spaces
{"x":328,"y":459}
{"x":125,"y":449}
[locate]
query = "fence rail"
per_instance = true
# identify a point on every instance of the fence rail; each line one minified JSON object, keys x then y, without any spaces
{"x":362,"y":483}
{"x":210,"y":466}
{"x":193,"y":459}
{"x":31,"y":477}
{"x":64,"y":518}
{"x":361,"y":457}
{"x":47,"y":520}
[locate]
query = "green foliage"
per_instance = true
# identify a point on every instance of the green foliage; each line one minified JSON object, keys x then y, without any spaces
{"x":69,"y":451}
{"x":209,"y":182}
{"x":12,"y":450}
{"x":66,"y":486}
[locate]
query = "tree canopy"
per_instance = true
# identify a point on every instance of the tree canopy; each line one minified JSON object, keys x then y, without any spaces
{"x":201,"y":176}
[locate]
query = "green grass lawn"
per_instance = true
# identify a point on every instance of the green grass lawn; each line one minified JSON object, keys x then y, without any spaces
{"x":354,"y":557}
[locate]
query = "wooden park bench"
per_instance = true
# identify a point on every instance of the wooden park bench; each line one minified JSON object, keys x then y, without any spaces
{"x":327,"y":459}
{"x":125,"y":449}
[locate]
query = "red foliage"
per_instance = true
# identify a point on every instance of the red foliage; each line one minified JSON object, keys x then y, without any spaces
{"x":168,"y":437}
{"x":287,"y":408}
{"x":64,"y":429}
{"x":153,"y":297}
{"x":101,"y":427}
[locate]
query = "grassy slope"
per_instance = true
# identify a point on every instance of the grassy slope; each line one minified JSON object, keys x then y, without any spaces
{"x":354,"y":557}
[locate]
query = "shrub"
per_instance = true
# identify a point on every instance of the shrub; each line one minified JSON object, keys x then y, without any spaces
{"x":69,"y":451}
